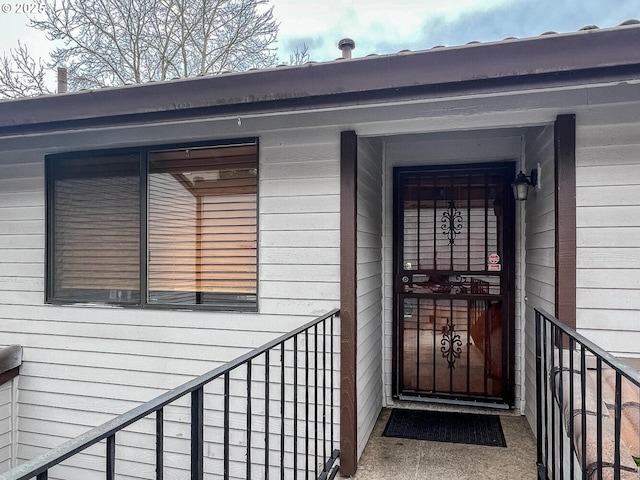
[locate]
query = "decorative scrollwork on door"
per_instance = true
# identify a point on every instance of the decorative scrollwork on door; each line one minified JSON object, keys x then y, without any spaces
{"x":451,"y":223}
{"x":451,"y":343}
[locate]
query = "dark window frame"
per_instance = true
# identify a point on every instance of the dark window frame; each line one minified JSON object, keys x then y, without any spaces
{"x":143,"y":204}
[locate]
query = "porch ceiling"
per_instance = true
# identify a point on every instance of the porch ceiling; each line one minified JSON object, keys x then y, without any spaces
{"x":462,"y":146}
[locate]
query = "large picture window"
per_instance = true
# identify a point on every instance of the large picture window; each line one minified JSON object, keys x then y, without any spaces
{"x":154,"y":226}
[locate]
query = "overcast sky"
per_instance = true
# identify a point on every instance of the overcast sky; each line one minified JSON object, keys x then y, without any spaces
{"x":388,"y":26}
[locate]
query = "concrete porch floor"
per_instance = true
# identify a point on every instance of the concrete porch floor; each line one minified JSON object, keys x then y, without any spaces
{"x":397,"y":458}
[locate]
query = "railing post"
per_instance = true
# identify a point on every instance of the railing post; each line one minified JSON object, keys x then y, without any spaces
{"x":227,"y":394}
{"x":315,"y":394}
{"x":539,"y":397}
{"x":572,"y":449}
{"x":324,"y":391}
{"x":617,"y":426}
{"x":295,"y":407}
{"x":560,"y":394}
{"x":111,"y":457}
{"x":267,"y":363}
{"x":332,"y":320}
{"x":282,"y":410}
{"x":160,"y":444}
{"x":546,"y":382}
{"x":306,"y":402}
{"x":552,"y":387}
{"x":599,"y":415}
{"x":197,"y":433}
{"x":583,"y":419}
{"x":249,"y":423}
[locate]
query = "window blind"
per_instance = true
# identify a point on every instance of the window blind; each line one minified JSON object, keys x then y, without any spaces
{"x":96,"y":228}
{"x":203,"y":226}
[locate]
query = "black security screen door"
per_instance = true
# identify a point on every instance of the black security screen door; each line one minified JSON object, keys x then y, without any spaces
{"x":454,"y":282}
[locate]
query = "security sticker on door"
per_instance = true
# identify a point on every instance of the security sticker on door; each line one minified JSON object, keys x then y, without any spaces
{"x":494,"y":263}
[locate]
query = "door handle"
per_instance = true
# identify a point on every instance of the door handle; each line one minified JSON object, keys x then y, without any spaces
{"x":405,"y":287}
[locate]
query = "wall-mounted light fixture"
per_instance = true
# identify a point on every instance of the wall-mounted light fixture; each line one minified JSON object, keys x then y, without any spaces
{"x":522,"y":183}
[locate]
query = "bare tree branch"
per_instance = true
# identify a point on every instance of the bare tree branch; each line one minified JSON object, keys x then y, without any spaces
{"x":115,"y":42}
{"x":21,"y":75}
{"x":300,"y":55}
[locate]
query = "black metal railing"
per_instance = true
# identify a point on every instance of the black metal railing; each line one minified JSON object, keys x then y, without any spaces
{"x":588,"y":407}
{"x":267,"y":414}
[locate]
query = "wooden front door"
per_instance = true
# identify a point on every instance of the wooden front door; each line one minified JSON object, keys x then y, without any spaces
{"x":454,"y":282}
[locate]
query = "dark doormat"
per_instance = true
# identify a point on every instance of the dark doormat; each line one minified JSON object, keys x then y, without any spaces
{"x":446,"y":427}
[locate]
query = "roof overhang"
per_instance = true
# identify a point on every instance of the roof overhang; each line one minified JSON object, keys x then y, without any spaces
{"x":582,"y":57}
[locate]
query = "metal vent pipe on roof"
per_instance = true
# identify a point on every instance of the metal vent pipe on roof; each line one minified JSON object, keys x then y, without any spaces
{"x":346,"y":45}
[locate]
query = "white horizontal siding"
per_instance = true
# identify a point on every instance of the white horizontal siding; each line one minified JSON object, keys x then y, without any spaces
{"x":21,"y":231}
{"x":608,"y":224}
{"x":539,"y":273}
{"x":299,"y":223}
{"x":369,"y":289}
{"x":83,"y":365}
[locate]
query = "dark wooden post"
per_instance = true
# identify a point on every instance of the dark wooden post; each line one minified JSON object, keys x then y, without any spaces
{"x":348,"y":320}
{"x":565,"y":199}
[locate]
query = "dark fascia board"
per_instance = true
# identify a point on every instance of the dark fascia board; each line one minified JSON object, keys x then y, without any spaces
{"x":559,"y":58}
